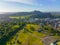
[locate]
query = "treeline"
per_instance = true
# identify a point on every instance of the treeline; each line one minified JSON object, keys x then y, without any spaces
{"x":9,"y":30}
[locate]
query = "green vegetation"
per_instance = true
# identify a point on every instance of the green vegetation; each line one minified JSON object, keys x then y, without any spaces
{"x":27,"y":36}
{"x":19,"y":17}
{"x":8,"y":30}
{"x":20,"y":32}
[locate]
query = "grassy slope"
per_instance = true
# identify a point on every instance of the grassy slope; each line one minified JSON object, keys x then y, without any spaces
{"x":28,"y":38}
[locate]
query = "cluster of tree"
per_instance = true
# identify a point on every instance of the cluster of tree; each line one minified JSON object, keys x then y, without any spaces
{"x":50,"y":30}
{"x":8,"y":30}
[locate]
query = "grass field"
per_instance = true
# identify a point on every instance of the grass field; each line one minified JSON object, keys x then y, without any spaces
{"x":17,"y":17}
{"x":30,"y":37}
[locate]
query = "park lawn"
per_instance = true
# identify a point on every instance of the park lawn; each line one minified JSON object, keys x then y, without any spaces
{"x":22,"y":37}
{"x":36,"y":27}
{"x":33,"y":25}
{"x":34,"y":41}
{"x":26,"y":38}
{"x":14,"y":17}
{"x":15,"y":26}
{"x":39,"y":34}
{"x":29,"y":39}
{"x":18,"y":17}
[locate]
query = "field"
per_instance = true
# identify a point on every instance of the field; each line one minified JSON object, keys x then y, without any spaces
{"x":27,"y":37}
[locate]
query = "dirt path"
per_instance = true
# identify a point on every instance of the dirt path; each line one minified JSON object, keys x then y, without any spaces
{"x":46,"y":39}
{"x":17,"y":37}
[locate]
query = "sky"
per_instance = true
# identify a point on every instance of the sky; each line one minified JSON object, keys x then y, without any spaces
{"x":29,"y":5}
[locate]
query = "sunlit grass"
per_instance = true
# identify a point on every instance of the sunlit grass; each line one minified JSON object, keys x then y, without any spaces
{"x":23,"y":37}
{"x":16,"y":26}
{"x":27,"y":37}
{"x":17,"y":17}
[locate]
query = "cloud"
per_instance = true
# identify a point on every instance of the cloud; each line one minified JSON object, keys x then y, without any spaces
{"x":30,"y":2}
{"x":21,"y":5}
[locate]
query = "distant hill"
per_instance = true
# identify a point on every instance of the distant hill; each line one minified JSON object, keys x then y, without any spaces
{"x":34,"y":14}
{"x":41,"y":15}
{"x":55,"y":12}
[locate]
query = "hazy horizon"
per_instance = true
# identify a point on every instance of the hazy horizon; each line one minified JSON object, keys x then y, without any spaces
{"x":29,"y":5}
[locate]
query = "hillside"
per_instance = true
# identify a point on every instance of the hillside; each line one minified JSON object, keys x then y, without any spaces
{"x":34,"y":14}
